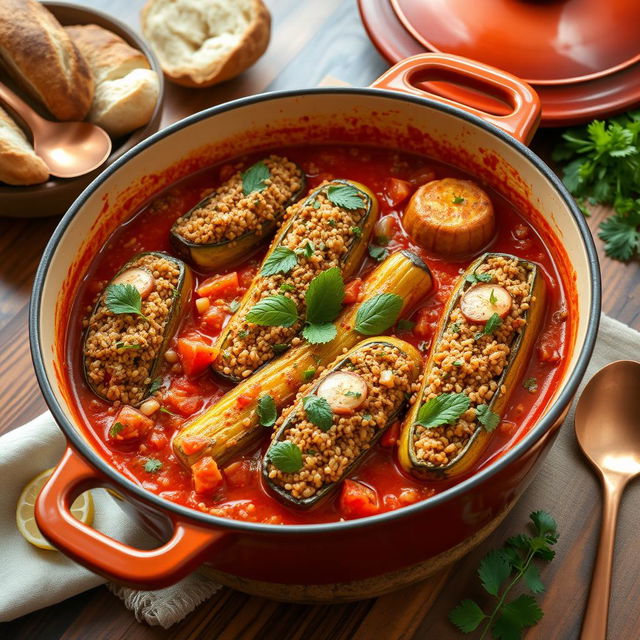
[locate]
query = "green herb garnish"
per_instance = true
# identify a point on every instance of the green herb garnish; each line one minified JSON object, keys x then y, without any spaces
{"x":233,"y":306}
{"x":457,"y":363}
{"x":379,"y":313}
{"x":155,"y":385}
{"x":279,"y":347}
{"x":318,"y":412}
{"x":152,"y":465}
{"x":243,"y":334}
{"x":531,"y":385}
{"x":492,"y":324}
{"x":253,"y":179}
{"x":320,"y":333}
{"x":479,"y":277}
{"x":267,"y":412}
{"x":316,"y":204}
{"x":405,"y":325}
{"x":122,"y":345}
{"x":306,"y":250}
{"x":324,"y":302}
{"x":286,"y":287}
{"x":308,"y":374}
{"x":357,"y":231}
{"x":124,"y":298}
{"x":352,"y":394}
{"x":443,"y":409}
{"x":274,"y":311}
{"x":492,"y":297}
{"x":378,"y":253}
{"x":487,"y":418}
{"x":345,"y":196}
{"x":285,"y":456}
{"x":331,"y":222}
{"x":165,"y":410}
{"x":501,"y":570}
{"x":282,"y":260}
{"x":454,"y":327}
{"x":458,"y":200}
{"x":116,"y":428}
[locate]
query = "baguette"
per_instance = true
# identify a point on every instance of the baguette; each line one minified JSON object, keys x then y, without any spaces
{"x":126,"y":88}
{"x":43,"y":61}
{"x":19,"y":165}
{"x":203,"y":42}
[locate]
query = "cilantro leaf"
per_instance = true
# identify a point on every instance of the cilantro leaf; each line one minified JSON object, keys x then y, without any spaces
{"x":267,"y":412}
{"x":479,"y":277}
{"x":487,"y":418}
{"x":324,"y":296}
{"x":115,"y":429}
{"x":621,"y":234}
{"x":467,"y":616}
{"x":494,"y":569}
{"x":377,"y":314}
{"x":443,"y":409}
{"x":544,"y":523}
{"x":318,"y":412}
{"x":493,"y":323}
{"x":319,"y":333}
{"x":274,"y":311}
{"x":532,"y":578}
{"x":378,"y":253}
{"x":253,"y":179}
{"x":155,"y":385}
{"x":282,"y":260}
{"x":517,"y":615}
{"x":345,"y":196}
{"x":286,"y":456}
{"x":123,"y":298}
{"x":306,"y":250}
{"x":152,"y":465}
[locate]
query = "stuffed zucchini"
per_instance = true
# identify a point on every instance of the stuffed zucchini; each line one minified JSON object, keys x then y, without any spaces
{"x":329,"y":429}
{"x":228,"y":225}
{"x":483,"y":344}
{"x":234,"y":421}
{"x":129,"y":329}
{"x":329,"y":228}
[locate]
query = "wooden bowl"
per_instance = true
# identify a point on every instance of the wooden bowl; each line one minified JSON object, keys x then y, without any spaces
{"x":52,"y":198}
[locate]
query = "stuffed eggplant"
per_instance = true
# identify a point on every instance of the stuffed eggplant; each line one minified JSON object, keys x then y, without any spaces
{"x":329,"y":228}
{"x":483,"y":343}
{"x":233,"y":423}
{"x":332,"y":425}
{"x":131,"y":324}
{"x":225,"y":227}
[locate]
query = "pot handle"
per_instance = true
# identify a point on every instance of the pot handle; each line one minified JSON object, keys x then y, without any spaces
{"x":122,"y":563}
{"x":521,"y":123}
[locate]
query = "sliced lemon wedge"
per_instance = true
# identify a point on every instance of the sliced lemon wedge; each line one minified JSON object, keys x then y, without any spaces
{"x":82,"y":509}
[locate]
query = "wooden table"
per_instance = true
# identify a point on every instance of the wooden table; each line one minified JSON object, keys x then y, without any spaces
{"x":311,"y":40}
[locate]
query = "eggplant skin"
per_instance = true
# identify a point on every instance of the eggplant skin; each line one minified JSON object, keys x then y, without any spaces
{"x":519,"y":355}
{"x":228,"y":252}
{"x":230,"y":425}
{"x":128,"y":358}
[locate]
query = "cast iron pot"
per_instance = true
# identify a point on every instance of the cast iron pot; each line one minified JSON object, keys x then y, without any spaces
{"x":341,"y":560}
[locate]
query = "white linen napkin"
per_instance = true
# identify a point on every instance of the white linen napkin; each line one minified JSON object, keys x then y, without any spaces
{"x":32,"y":578}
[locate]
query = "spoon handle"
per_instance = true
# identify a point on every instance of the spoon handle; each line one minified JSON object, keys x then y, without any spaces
{"x":594,"y":626}
{"x":19,"y":106}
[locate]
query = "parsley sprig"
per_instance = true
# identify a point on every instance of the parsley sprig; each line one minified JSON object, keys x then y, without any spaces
{"x":253,"y":179}
{"x":499,"y":572}
{"x":124,"y":298}
{"x":602,"y":166}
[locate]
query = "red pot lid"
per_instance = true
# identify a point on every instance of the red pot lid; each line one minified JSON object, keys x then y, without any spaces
{"x":541,"y":41}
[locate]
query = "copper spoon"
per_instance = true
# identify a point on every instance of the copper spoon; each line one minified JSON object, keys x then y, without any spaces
{"x":608,"y":431}
{"x":69,"y":149}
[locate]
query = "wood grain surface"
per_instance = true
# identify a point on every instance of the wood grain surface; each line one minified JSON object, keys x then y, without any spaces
{"x":312,"y":39}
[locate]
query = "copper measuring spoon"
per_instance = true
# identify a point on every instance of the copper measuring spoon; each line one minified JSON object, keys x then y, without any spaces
{"x":69,"y":149}
{"x":608,"y":431}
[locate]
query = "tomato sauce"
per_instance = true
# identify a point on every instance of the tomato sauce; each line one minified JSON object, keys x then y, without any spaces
{"x":242,"y":495}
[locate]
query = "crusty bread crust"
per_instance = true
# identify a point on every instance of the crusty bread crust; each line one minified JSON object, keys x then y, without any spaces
{"x":252,"y":45}
{"x":19,"y":165}
{"x":41,"y":58}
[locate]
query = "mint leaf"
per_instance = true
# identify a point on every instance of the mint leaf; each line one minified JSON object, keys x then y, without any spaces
{"x":285,"y":456}
{"x":492,"y":324}
{"x":319,"y":333}
{"x":267,"y":412}
{"x":253,"y":179}
{"x":282,"y":260}
{"x":467,"y":616}
{"x":378,"y":253}
{"x":152,"y":465}
{"x":306,"y":250}
{"x":274,"y":311}
{"x":443,"y":409}
{"x":479,"y":277}
{"x":116,"y":428}
{"x":318,"y":412}
{"x":379,"y":313}
{"x":123,"y":298}
{"x":324,"y":296}
{"x":345,"y":196}
{"x":487,"y":418}
{"x":494,"y":569}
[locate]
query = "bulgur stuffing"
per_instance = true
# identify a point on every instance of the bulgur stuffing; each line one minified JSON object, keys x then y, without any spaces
{"x":469,"y":363}
{"x":331,"y":230}
{"x":228,"y":213}
{"x":326,"y":455}
{"x":120,"y":349}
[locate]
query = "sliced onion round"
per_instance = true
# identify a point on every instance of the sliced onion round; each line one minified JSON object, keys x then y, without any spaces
{"x":345,"y":391}
{"x":481,"y":301}
{"x":141,"y":279}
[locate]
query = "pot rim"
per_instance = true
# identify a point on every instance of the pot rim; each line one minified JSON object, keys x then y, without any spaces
{"x":72,"y":433}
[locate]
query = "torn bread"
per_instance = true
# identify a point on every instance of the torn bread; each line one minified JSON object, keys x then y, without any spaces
{"x":203,"y":42}
{"x":19,"y":165}
{"x":127,"y":89}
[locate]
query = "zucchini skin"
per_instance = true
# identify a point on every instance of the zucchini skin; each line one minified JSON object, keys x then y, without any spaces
{"x":519,"y":356}
{"x":350,"y":263}
{"x":402,"y":273}
{"x":228,"y":253}
{"x":306,"y":503}
{"x":185,"y":287}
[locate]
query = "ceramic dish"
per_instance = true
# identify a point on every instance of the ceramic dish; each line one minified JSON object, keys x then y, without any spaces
{"x":310,"y":562}
{"x":54,"y":197}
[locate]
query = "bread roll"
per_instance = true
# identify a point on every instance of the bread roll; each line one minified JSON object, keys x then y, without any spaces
{"x":41,"y":58}
{"x":19,"y":165}
{"x":203,"y":42}
{"x":126,"y":88}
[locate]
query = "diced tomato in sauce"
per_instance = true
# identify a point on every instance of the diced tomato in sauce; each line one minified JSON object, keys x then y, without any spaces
{"x":357,"y":500}
{"x":352,"y":291}
{"x":206,"y":475}
{"x":195,"y":355}
{"x":220,"y":286}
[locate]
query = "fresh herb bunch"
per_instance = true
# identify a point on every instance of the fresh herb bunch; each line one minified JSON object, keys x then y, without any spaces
{"x":603,"y":167}
{"x":499,"y":572}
